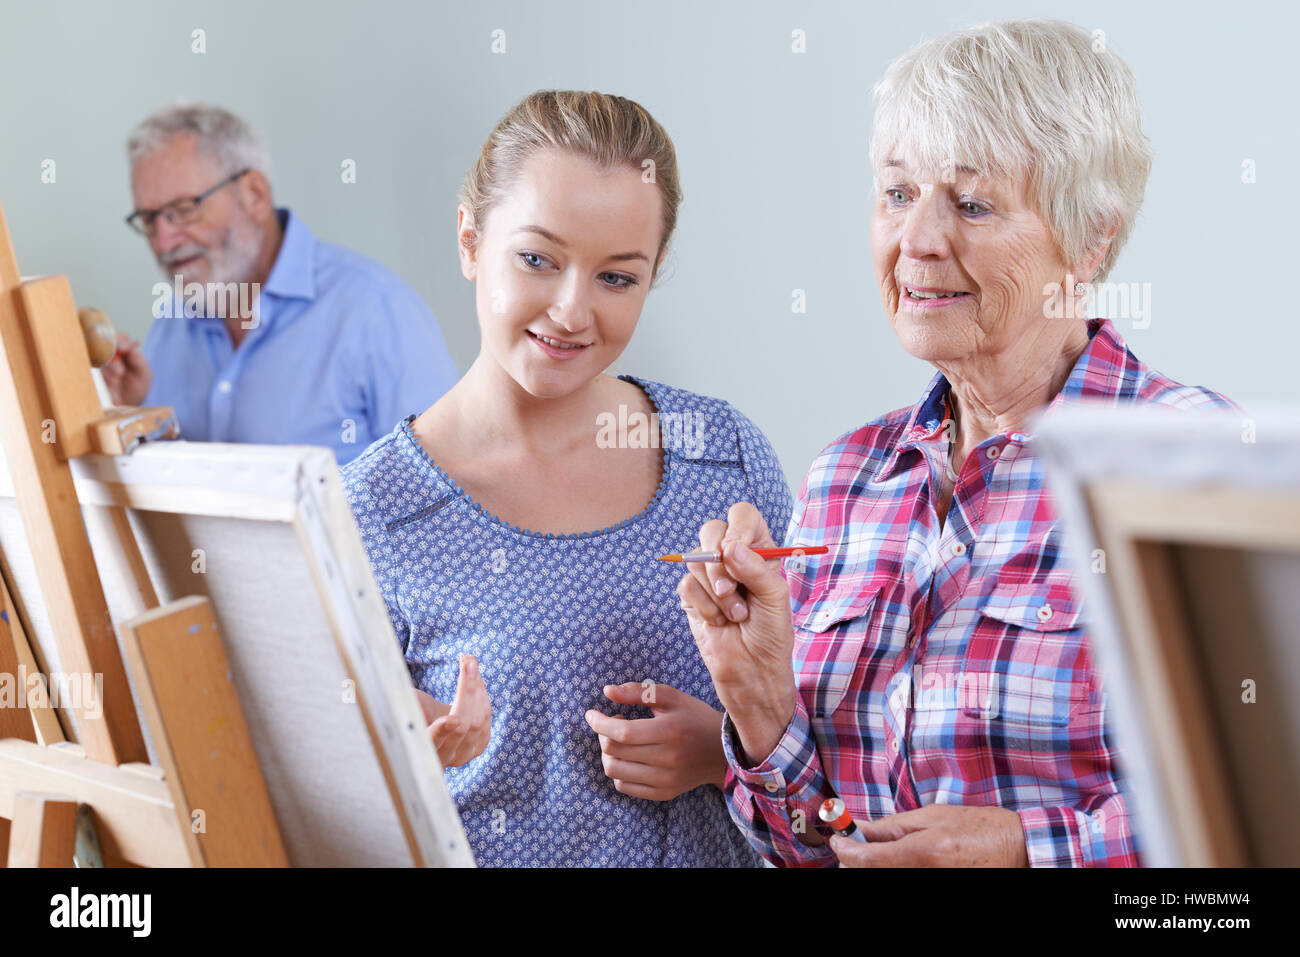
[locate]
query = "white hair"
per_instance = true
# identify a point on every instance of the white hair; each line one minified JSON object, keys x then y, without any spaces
{"x":222,"y":136}
{"x":1040,"y":100}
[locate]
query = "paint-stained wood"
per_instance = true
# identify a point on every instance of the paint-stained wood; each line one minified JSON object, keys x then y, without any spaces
{"x":121,"y":430}
{"x":63,"y":365}
{"x":187,"y":689}
{"x":42,"y":378}
{"x":45,"y":718}
{"x":43,"y":832}
{"x":134,"y":814}
{"x":15,"y":715}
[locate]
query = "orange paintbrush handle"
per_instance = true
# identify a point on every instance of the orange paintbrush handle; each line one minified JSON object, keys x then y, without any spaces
{"x":760,"y":552}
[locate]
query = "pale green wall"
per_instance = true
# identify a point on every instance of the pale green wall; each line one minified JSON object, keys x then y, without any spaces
{"x":772,"y":147}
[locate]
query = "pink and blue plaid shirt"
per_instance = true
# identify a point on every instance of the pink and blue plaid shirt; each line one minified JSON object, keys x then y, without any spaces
{"x":946,"y":664}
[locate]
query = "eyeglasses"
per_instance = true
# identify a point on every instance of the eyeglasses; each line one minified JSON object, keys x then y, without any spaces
{"x":179,"y":211}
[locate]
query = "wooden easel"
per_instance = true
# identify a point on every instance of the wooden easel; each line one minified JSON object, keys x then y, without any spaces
{"x":144,"y":814}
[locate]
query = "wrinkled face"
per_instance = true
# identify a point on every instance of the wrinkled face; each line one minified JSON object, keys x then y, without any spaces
{"x":962,"y":265}
{"x":222,"y":243}
{"x":562,"y":267}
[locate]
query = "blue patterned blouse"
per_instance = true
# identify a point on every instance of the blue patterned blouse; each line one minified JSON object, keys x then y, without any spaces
{"x":552,"y":619}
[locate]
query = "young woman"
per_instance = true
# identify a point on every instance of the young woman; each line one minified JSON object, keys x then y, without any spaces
{"x":514,"y":526}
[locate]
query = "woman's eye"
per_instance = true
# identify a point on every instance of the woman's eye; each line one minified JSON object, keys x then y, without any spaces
{"x":616,"y":280}
{"x":533,"y":260}
{"x":896,"y":196}
{"x":972,"y":208}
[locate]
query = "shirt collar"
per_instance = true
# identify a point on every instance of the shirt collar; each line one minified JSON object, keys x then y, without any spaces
{"x":293,"y":275}
{"x":1101,"y":370}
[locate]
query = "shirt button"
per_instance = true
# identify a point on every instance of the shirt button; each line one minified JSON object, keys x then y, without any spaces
{"x":893,"y":745}
{"x":1045,"y":613}
{"x":958,"y":549}
{"x":771,"y":787}
{"x":993,"y":452}
{"x":223,"y":386}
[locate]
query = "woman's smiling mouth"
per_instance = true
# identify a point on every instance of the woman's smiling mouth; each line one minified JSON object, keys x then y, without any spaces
{"x":928,"y":297}
{"x":557,"y":348}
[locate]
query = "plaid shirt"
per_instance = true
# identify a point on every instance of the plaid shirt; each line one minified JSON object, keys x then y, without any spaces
{"x":946,"y":664}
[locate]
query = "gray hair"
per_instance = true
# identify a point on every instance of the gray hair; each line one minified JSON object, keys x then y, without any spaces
{"x":1039,"y":99}
{"x":222,"y":136}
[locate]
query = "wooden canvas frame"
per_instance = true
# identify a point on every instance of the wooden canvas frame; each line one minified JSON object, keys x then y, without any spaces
{"x":1143,"y":489}
{"x":396,"y":810}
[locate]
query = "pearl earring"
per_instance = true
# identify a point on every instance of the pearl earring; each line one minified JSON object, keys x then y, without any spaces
{"x":1080,"y":288}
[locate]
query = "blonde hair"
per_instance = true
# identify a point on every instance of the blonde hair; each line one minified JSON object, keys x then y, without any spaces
{"x":611,"y":131}
{"x":1040,"y":99}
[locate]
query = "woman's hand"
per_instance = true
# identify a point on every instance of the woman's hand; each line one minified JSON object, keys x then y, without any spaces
{"x":658,"y":758}
{"x":128,"y":374}
{"x":938,"y":835}
{"x":739,"y":613}
{"x":460,"y":731}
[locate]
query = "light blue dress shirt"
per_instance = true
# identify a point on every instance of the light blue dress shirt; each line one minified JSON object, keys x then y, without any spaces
{"x":340,"y":349}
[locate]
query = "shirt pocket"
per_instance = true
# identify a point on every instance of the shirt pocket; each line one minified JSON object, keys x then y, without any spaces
{"x":830,"y":630}
{"x":1027,"y":663}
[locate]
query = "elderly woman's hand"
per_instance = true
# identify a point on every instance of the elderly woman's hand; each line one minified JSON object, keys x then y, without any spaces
{"x":938,"y":835}
{"x":739,"y":613}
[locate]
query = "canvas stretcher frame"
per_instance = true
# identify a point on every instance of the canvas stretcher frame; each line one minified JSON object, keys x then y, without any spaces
{"x":334,"y":805}
{"x":1195,"y":521}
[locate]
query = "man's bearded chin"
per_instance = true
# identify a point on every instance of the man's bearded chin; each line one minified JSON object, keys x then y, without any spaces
{"x":232,"y":261}
{"x":169,"y":262}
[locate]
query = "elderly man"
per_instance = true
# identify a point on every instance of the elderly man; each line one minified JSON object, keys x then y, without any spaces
{"x":270,"y":334}
{"x":933,"y":670}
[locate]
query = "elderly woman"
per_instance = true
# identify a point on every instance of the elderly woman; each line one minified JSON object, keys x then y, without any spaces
{"x":933,"y":669}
